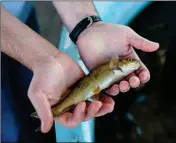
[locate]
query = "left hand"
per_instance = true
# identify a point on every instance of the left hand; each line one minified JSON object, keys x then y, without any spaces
{"x":100,"y":42}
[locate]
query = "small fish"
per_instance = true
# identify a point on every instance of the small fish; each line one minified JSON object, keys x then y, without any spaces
{"x":91,"y":85}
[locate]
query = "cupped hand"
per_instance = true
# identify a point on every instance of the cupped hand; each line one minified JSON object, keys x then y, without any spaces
{"x":51,"y":77}
{"x":102,"y":41}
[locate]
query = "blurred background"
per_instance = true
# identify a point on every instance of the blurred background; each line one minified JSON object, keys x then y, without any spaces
{"x":146,"y":114}
{"x":49,"y":21}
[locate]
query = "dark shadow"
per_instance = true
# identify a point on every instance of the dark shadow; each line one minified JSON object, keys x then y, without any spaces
{"x":154,"y":115}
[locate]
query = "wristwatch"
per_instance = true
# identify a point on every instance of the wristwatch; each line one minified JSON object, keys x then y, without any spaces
{"x":82,"y":25}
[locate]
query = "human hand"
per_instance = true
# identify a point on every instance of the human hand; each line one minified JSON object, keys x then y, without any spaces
{"x":51,"y":78}
{"x":102,"y":41}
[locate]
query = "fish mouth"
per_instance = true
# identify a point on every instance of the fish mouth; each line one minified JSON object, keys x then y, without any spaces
{"x":136,"y":66}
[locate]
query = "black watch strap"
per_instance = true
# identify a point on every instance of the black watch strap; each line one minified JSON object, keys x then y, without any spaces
{"x":83,"y":24}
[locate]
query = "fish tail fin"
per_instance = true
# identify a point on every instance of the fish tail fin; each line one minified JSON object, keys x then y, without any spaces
{"x":38,"y":129}
{"x":34,"y":114}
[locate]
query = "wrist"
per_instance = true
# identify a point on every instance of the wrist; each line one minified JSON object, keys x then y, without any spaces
{"x":63,"y":65}
{"x":86,"y":35}
{"x":73,"y":12}
{"x":81,"y":16}
{"x":82,"y":25}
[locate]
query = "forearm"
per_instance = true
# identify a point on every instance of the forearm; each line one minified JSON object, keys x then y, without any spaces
{"x":21,"y":43}
{"x":72,"y":12}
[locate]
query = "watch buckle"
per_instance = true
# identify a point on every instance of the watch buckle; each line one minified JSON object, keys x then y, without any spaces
{"x":91,"y":20}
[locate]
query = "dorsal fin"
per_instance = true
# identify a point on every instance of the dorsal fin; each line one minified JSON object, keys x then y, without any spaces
{"x":114,"y":59}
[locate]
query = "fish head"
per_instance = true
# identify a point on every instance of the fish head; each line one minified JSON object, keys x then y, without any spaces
{"x":126,"y":65}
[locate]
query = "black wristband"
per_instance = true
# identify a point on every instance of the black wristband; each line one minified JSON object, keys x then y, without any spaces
{"x":83,"y":24}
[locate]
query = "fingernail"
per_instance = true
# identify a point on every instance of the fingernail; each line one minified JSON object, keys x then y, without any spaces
{"x":126,"y":89}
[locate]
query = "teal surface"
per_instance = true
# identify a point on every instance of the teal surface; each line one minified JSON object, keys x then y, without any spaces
{"x":119,"y":12}
{"x":19,"y":9}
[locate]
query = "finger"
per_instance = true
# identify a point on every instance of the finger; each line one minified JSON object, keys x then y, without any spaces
{"x":133,"y":80}
{"x":43,"y":109}
{"x":130,"y":75}
{"x":66,"y":120}
{"x":113,"y":90}
{"x":141,"y":43}
{"x":124,"y":86}
{"x":79,"y":112}
{"x":92,"y":109}
{"x":142,"y":73}
{"x":107,"y":106}
{"x":71,"y":120}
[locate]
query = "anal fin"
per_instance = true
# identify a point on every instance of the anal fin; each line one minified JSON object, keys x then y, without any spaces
{"x":96,"y":97}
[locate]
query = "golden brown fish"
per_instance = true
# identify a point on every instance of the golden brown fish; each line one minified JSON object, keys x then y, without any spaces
{"x":92,"y":84}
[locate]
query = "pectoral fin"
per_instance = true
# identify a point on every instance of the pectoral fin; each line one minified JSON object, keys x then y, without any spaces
{"x":96,"y":90}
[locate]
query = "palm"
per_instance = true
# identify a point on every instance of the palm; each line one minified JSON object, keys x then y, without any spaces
{"x":49,"y":82}
{"x":46,"y":86}
{"x":101,"y":42}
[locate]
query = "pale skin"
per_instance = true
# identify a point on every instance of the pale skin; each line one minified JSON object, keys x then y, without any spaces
{"x":96,"y":44}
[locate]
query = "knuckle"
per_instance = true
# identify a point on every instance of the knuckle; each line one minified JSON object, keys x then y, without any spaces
{"x":128,"y":28}
{"x":124,"y":26}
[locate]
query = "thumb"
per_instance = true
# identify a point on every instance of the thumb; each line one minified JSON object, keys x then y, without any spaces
{"x":141,"y":43}
{"x":42,"y":107}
